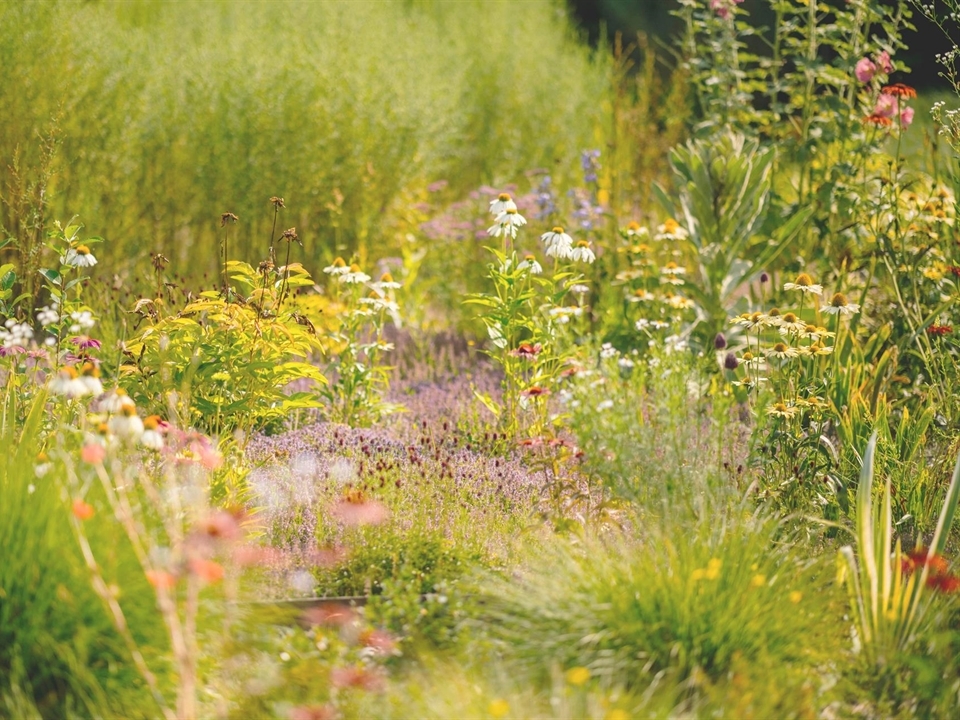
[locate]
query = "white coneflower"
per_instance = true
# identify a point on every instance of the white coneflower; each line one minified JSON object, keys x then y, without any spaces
{"x":557,"y":236}
{"x":126,"y":425}
{"x":502,"y":204}
{"x":508,"y":222}
{"x":671,"y":230}
{"x":641,"y":295}
{"x":379,"y":303}
{"x":839,"y":305}
{"x":354,"y":275}
{"x":782,"y":410}
{"x":152,"y":437}
{"x":791,"y":324}
{"x":386,"y":282}
{"x":782,"y":352}
{"x":43,"y":465}
{"x":114,"y":401}
{"x":339,"y":267}
{"x":582,"y":253}
{"x":678,"y":302}
{"x":530,"y":264}
{"x":773,"y":318}
{"x":80,"y":256}
{"x":67,"y":382}
{"x":635,"y":229}
{"x":90,"y":376}
{"x":804,"y":283}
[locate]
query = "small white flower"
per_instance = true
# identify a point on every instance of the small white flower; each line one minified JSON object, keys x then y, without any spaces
{"x":47,"y":315}
{"x":152,"y":437}
{"x":555,"y":237}
{"x":339,"y":267}
{"x":579,"y":289}
{"x":502,"y":204}
{"x":582,"y":253}
{"x":509,"y":221}
{"x":80,"y":256}
{"x":127,"y":425}
{"x":354,"y":275}
{"x":114,"y":401}
{"x":386,"y":282}
{"x":83,"y":320}
{"x":530,"y":263}
{"x":607,"y":351}
{"x":839,"y":305}
{"x":605,"y":405}
{"x":68,"y":383}
{"x":671,"y":230}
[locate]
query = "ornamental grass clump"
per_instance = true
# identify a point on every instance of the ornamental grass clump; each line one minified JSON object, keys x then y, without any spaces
{"x":892,"y":593}
{"x":694,"y":595}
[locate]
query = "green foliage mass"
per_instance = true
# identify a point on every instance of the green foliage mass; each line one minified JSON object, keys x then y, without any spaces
{"x":169,"y":112}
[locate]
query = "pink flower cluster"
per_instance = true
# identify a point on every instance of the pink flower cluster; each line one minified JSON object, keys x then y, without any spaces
{"x":888,"y":106}
{"x":866,"y":69}
{"x":723,"y":8}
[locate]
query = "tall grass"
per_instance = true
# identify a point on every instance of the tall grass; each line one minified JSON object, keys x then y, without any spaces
{"x":59,"y":653}
{"x":171,"y":113}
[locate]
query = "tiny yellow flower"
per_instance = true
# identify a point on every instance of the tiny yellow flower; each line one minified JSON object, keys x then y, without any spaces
{"x":617,"y":714}
{"x":578,"y":675}
{"x":499,"y":708}
{"x":697,"y":574}
{"x":796,"y":596}
{"x":758,"y":581}
{"x":713,"y":569}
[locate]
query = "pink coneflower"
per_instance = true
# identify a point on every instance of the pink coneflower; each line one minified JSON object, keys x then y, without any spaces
{"x":526,"y":350}
{"x":85,"y":342}
{"x":360,"y":678}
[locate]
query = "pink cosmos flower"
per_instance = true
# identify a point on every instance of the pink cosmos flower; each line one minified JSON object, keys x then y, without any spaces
{"x":886,"y":106}
{"x":906,"y":117}
{"x":865,"y":70}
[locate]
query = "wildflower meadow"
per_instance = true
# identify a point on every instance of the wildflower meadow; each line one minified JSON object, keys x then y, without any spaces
{"x":430,"y":359}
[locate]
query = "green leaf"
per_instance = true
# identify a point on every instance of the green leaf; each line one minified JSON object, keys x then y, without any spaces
{"x":51,"y":275}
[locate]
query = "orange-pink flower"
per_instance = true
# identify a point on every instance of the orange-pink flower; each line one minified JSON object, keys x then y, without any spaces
{"x":82,"y":510}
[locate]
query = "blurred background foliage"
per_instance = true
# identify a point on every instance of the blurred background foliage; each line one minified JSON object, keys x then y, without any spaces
{"x":148,"y":119}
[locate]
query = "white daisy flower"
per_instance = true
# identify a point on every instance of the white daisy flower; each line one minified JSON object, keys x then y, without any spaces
{"x":80,"y":256}
{"x":839,"y":305}
{"x":67,"y":382}
{"x":90,"y":377}
{"x":354,"y":275}
{"x":127,"y":425}
{"x":530,"y":264}
{"x":582,"y":253}
{"x":152,"y":437}
{"x":804,"y":283}
{"x":502,"y":204}
{"x":671,"y":230}
{"x":386,"y":282}
{"x":114,"y":401}
{"x":557,"y":235}
{"x":509,"y":221}
{"x":339,"y":267}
